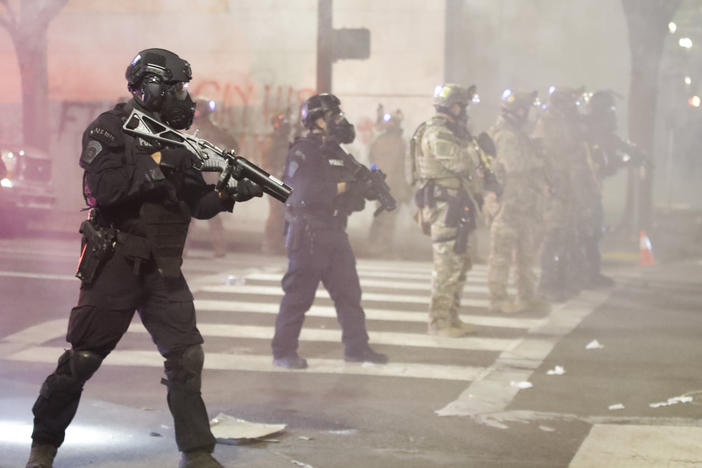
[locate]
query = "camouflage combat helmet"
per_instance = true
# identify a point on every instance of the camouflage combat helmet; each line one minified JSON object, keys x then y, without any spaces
{"x":448,"y":94}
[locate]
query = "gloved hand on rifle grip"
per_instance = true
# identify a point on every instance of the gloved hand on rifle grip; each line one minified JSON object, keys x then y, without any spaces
{"x":245,"y":190}
{"x":176,"y":159}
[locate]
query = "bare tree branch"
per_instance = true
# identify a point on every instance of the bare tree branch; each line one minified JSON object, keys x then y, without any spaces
{"x":49,"y":11}
{"x":8,"y":21}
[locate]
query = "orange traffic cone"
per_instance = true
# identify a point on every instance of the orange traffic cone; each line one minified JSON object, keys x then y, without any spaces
{"x":646,"y":252}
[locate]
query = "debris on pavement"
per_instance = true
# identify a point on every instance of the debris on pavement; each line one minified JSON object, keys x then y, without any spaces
{"x":547,"y":428}
{"x":299,"y":463}
{"x":594,"y":344}
{"x":521,"y":385}
{"x":558,"y":370}
{"x":615,"y":406}
{"x":227,"y":428}
{"x":672,"y":401}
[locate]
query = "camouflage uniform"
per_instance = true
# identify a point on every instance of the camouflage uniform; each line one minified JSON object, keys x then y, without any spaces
{"x":520,"y":172}
{"x":564,"y":151}
{"x":450,"y":163}
{"x":388,"y":153}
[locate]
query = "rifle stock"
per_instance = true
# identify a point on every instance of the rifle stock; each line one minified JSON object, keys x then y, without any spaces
{"x":210,"y":157}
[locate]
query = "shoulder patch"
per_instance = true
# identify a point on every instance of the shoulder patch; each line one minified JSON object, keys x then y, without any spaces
{"x":91,"y":151}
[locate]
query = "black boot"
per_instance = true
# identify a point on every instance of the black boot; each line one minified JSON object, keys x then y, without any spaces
{"x":198,"y":459}
{"x":365,"y":354}
{"x":41,"y":456}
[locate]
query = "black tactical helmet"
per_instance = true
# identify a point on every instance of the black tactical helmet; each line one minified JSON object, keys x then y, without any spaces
{"x":317,"y":106}
{"x":157,"y":79}
{"x":328,"y":107}
{"x":565,"y":99}
{"x":601,"y":103}
{"x":602,"y":109}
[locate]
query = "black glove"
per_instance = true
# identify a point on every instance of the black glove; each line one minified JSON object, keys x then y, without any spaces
{"x":176,"y":159}
{"x":245,"y":190}
{"x":487,"y":144}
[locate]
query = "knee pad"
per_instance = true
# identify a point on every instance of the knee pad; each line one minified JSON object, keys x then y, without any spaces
{"x":73,"y":370}
{"x":183,"y":370}
{"x":84,"y":364}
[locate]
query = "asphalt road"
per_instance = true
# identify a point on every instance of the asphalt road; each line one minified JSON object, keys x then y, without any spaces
{"x":630,"y":399}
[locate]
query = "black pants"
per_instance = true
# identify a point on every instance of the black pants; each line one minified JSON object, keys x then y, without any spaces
{"x":319,"y":255}
{"x":97,"y":323}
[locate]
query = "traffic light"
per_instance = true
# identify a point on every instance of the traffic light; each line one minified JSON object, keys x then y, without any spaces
{"x":336,"y":44}
{"x":350,"y":44}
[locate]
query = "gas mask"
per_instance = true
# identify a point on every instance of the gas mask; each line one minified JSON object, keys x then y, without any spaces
{"x":178,"y":108}
{"x":339,"y":127}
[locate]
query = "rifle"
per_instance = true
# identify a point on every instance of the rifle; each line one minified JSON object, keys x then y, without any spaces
{"x":487,"y":152}
{"x":210,"y":158}
{"x":373,"y":184}
{"x":632,"y":154}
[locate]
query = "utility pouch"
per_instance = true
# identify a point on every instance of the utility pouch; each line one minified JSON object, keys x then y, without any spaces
{"x":98,"y":244}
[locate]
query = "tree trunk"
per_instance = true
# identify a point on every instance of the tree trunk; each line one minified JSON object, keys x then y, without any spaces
{"x":31,"y":52}
{"x":647,"y":21}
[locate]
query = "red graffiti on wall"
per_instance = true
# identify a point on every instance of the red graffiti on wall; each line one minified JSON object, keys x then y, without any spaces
{"x":237,"y":100}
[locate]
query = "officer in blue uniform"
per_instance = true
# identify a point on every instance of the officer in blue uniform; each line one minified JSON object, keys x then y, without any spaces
{"x":325,"y":192}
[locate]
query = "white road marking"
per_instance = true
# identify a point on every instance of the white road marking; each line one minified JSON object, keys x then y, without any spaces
{"x":367,"y":296}
{"x":425,"y":285}
{"x":40,"y":333}
{"x":258,"y":363}
{"x":492,"y":392}
{"x":405,"y":266}
{"x":334,"y":336}
{"x":640,"y":446}
{"x":29,"y":275}
{"x":210,"y":305}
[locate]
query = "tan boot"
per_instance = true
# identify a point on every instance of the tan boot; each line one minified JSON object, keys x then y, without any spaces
{"x":41,"y":456}
{"x":505,"y":306}
{"x":448,"y":332}
{"x":535,"y":304}
{"x":469,"y":328}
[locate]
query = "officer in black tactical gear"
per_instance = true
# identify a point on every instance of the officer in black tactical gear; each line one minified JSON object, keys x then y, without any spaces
{"x":607,"y":153}
{"x":142,"y":195}
{"x":325,"y":193}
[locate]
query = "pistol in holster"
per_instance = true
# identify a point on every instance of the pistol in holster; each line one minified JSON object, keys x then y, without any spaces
{"x":461,"y":214}
{"x":98,"y":243}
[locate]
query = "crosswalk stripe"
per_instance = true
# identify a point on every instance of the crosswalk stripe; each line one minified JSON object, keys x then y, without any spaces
{"x":472,"y":277}
{"x":413,"y":267}
{"x":367,"y":296}
{"x":212,"y":305}
{"x":378,"y":283}
{"x":44,"y":276}
{"x":259,"y":363}
{"x":334,"y":336}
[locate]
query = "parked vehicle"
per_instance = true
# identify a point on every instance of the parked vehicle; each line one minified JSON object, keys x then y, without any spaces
{"x":26,"y":191}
